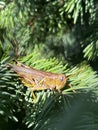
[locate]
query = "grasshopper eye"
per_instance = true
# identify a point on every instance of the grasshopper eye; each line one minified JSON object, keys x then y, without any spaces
{"x":61,"y":78}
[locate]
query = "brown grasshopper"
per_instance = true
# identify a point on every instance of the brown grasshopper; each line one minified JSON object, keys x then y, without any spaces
{"x":37,"y":79}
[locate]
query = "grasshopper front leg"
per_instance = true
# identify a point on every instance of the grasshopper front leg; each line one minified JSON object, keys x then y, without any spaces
{"x":34,"y":97}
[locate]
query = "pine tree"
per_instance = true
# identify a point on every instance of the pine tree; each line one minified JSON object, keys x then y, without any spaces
{"x":54,"y":36}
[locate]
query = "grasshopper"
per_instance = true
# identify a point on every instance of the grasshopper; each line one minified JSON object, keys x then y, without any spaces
{"x":38,"y":80}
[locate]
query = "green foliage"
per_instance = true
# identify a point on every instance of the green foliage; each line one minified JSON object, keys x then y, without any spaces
{"x":25,"y":23}
{"x":79,"y":114}
{"x":7,"y":95}
{"x":79,"y":8}
{"x":54,"y":36}
{"x":91,"y":42}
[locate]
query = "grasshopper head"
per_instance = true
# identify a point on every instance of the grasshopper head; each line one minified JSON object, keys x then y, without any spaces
{"x":61,"y":82}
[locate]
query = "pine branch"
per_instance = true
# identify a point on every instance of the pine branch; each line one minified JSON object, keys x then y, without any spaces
{"x":11,"y":97}
{"x":82,"y":79}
